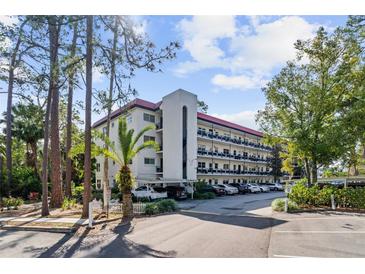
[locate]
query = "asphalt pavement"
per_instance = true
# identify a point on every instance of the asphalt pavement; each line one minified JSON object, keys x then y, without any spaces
{"x":241,"y":226}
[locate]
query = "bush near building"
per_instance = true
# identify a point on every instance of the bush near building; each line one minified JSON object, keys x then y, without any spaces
{"x":167,"y":205}
{"x":315,"y":197}
{"x":279,"y":205}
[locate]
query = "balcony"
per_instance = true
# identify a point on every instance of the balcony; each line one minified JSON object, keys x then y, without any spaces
{"x":228,"y":156}
{"x":226,"y":139}
{"x":230,"y":172}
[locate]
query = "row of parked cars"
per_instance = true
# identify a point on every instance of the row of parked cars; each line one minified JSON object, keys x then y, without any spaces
{"x":242,"y":188}
{"x":179,"y":192}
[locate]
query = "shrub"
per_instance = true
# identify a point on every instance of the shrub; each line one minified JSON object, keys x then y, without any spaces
{"x":151,"y":209}
{"x":279,"y":205}
{"x":98,"y":195}
{"x":77,"y":193}
{"x":200,"y":186}
{"x":68,"y":203}
{"x":323,"y":197}
{"x":162,"y":206}
{"x":167,"y":205}
{"x":299,"y":194}
{"x":25,"y":181}
{"x":204,"y":196}
{"x":13,"y":202}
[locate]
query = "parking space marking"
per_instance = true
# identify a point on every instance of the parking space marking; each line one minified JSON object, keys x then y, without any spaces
{"x":290,"y":256}
{"x":321,"y":232}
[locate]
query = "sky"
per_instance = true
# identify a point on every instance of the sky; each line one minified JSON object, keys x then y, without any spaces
{"x":225,"y":60}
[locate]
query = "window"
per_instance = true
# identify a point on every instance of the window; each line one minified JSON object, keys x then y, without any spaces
{"x":210,"y":165}
{"x":215,"y":181}
{"x":98,"y":167}
{"x":201,"y":165}
{"x":226,"y":151}
{"x":201,"y":147}
{"x":149,"y":161}
{"x":149,"y":117}
{"x":234,"y":181}
{"x":104,"y":130}
{"x":113,"y":124}
{"x":210,"y":181}
{"x":216,"y":165}
{"x":98,"y":183}
{"x":225,"y":166}
{"x":147,"y":138}
{"x":129,"y":119}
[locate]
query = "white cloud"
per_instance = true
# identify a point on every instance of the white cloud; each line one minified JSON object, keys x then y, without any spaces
{"x":98,"y":76}
{"x":8,"y":20}
{"x":201,"y":35}
{"x":249,"y":52}
{"x":240,"y":82}
{"x":243,"y":118}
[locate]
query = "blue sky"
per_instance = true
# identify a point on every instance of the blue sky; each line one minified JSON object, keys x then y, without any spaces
{"x":225,"y":60}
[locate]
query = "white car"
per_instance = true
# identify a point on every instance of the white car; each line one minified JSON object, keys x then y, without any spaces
{"x":253,"y":188}
{"x":149,"y":193}
{"x":276,"y":187}
{"x":230,"y":190}
{"x":264,"y":188}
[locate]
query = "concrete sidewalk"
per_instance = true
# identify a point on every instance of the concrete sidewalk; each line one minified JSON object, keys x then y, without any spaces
{"x":76,"y":221}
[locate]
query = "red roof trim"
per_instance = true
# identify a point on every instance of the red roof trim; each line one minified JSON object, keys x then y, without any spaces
{"x":135,"y":103}
{"x":154,"y":106}
{"x":224,"y":123}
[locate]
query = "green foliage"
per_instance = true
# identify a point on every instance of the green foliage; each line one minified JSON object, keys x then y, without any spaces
{"x":77,"y":193}
{"x":25,"y":181}
{"x":151,"y":209}
{"x":314,"y":196}
{"x":68,"y":203}
{"x":204,"y":195}
{"x":279,"y":205}
{"x":200,"y":186}
{"x":98,"y":195}
{"x":12,"y":202}
{"x":167,"y":205}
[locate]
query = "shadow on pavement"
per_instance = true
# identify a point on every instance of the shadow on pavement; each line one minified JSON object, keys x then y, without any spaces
{"x":250,"y":221}
{"x":112,"y":244}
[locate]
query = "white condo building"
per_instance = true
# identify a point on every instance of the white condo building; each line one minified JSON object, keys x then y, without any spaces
{"x":193,"y":145}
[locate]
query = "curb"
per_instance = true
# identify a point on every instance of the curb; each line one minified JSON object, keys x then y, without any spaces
{"x":40,"y":228}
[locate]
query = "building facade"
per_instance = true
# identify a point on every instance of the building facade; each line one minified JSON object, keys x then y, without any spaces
{"x":193,"y":145}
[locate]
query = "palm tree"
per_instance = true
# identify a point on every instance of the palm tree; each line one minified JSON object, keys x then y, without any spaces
{"x":129,"y":149}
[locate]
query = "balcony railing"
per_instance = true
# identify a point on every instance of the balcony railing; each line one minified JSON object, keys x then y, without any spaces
{"x":236,"y":141}
{"x":202,"y":171}
{"x":229,"y":156}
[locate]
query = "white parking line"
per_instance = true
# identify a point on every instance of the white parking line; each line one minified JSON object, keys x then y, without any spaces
{"x":290,"y":256}
{"x":320,"y":232}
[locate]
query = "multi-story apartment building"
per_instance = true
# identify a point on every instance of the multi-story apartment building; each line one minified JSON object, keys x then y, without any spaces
{"x":193,"y":145}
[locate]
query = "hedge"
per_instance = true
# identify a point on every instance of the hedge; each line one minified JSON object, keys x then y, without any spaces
{"x":314,"y":196}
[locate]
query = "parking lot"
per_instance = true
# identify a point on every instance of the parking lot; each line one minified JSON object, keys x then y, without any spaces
{"x":239,"y":226}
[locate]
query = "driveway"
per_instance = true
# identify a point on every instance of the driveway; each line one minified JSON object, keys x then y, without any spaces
{"x":236,"y":227}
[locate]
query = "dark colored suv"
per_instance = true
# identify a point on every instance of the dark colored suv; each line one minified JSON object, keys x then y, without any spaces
{"x":242,"y":187}
{"x":176,"y":192}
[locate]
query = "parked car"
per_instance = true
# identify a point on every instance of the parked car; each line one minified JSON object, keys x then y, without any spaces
{"x":176,"y":192}
{"x":264,"y":188}
{"x":219,"y":191}
{"x":242,"y":188}
{"x":229,"y":190}
{"x":149,"y":193}
{"x":253,"y":188}
{"x":276,"y":187}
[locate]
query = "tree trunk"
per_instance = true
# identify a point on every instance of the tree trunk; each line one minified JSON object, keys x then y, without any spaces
{"x":88,"y":101}
{"x":127,"y":206}
{"x":314,"y":172}
{"x":57,"y":195}
{"x":69,"y":114}
{"x":45,"y":209}
{"x":106,"y":188}
{"x":125,"y":178}
{"x":33,"y":147}
{"x":307,"y":171}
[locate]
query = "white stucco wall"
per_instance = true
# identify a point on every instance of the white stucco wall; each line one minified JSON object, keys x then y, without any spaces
{"x":172,"y":109}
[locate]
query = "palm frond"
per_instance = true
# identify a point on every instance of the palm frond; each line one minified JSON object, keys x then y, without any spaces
{"x":141,"y":133}
{"x":147,"y":144}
